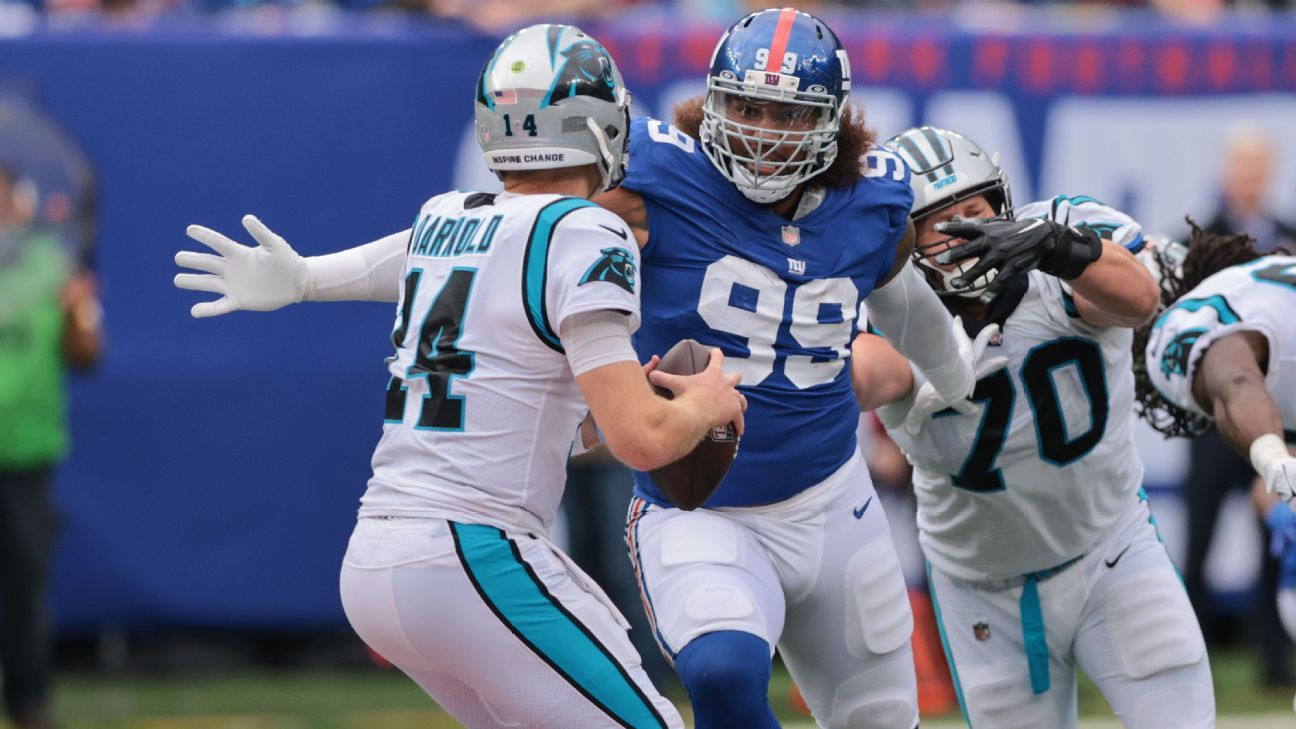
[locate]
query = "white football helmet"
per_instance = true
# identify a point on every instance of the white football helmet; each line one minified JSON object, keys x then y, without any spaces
{"x":946,"y":168}
{"x":551,"y":96}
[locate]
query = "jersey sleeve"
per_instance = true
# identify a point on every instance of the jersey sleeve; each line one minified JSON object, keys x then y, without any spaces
{"x":1059,"y":303}
{"x":1082,"y":211}
{"x":656,"y":150}
{"x":886,"y":183}
{"x":1182,"y":334}
{"x":593,"y":265}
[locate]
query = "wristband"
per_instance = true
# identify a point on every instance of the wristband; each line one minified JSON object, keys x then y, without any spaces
{"x":1079,"y":247}
{"x":1267,"y":449}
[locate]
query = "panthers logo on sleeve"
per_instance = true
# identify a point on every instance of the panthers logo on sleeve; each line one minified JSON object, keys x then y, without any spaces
{"x":615,"y":266}
{"x":1174,"y":361}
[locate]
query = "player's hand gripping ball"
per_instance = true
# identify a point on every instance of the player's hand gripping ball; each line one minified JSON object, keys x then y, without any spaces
{"x":692,"y":479}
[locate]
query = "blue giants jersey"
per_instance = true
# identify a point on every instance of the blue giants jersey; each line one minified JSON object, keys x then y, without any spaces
{"x":779,"y":297}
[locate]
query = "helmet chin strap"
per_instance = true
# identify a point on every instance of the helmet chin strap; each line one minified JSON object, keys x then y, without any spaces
{"x":604,"y":151}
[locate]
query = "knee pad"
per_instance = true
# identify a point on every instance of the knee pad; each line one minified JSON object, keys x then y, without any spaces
{"x":727,"y":676}
{"x":1009,"y":703}
{"x":861,"y":704}
{"x":1152,"y":626}
{"x":1181,"y":707}
{"x":876,"y":713}
{"x":878,"y":617}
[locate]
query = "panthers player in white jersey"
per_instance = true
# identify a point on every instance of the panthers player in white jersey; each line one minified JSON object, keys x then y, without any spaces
{"x":1042,"y":552}
{"x":516,"y":310}
{"x":1223,"y":354}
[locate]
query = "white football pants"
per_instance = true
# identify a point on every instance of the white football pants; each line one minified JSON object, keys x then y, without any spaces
{"x":1120,"y":613}
{"x":815,"y":575}
{"x":500,"y":629}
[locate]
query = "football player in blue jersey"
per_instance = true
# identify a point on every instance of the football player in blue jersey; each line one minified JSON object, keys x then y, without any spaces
{"x":1042,"y":553}
{"x":765,"y":215}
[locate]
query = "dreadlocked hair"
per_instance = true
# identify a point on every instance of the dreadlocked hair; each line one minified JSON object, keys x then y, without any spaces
{"x":853,"y":140}
{"x":1208,"y":253}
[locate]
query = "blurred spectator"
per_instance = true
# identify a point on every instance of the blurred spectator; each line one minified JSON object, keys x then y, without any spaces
{"x":49,"y":318}
{"x":1244,"y":206}
{"x":508,"y":15}
{"x":1193,"y":12}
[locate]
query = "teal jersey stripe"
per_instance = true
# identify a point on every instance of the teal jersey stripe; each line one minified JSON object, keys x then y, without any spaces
{"x":1037,"y":653}
{"x":521,"y":601}
{"x":1068,"y":305}
{"x":1290,"y":436}
{"x":535,"y":266}
{"x":949,"y":656}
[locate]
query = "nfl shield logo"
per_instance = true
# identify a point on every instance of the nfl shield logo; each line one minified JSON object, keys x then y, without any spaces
{"x":723,"y":434}
{"x":791,"y":235}
{"x":981,"y":631}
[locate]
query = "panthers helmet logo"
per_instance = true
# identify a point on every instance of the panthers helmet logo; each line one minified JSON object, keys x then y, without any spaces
{"x":1174,"y":361}
{"x":587,"y":71}
{"x":615,"y":266}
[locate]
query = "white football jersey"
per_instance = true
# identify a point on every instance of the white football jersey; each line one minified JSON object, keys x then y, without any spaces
{"x":482,"y":406}
{"x":1082,"y":211}
{"x":1045,"y":465}
{"x":1259,"y":297}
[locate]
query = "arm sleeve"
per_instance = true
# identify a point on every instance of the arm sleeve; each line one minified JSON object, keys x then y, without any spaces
{"x":915,"y":322}
{"x":370,"y":272}
{"x":597,"y":338}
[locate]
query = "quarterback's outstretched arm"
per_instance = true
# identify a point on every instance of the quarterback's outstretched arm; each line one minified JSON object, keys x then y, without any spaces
{"x":1230,"y":385}
{"x":273,"y":275}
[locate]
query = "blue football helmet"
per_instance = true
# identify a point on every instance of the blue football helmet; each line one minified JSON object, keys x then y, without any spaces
{"x":788,"y":59}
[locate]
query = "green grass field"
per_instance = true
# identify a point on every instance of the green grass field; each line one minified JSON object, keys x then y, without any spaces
{"x":386,"y":700}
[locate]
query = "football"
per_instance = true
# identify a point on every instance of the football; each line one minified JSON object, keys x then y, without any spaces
{"x":692,"y":479}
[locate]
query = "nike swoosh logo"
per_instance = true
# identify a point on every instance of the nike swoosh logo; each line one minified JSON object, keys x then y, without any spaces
{"x":621,"y":233}
{"x":859,"y":513}
{"x":1112,"y":563}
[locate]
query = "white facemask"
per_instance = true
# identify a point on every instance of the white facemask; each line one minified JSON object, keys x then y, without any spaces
{"x":774,"y":189}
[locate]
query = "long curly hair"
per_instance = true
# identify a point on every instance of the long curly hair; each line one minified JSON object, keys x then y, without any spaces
{"x":853,"y":141}
{"x":1208,"y":253}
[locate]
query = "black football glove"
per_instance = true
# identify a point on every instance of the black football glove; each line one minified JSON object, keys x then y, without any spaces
{"x":1014,"y":246}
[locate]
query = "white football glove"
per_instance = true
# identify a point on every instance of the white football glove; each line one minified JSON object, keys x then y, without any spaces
{"x":927,"y":401}
{"x":1280,"y":478}
{"x":1271,"y":458}
{"x":264,"y":278}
